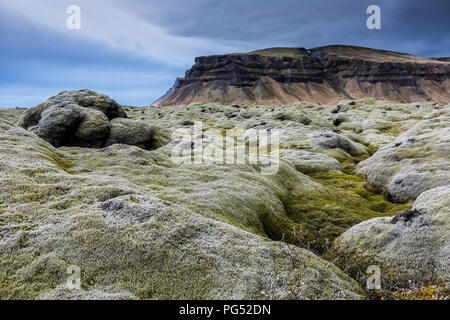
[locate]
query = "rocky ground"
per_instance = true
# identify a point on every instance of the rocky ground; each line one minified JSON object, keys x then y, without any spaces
{"x":87,"y":182}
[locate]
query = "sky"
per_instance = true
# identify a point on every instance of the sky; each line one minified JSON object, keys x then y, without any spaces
{"x":133,"y":50}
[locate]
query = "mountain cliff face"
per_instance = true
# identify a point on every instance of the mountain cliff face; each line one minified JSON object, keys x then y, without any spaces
{"x":322,"y":75}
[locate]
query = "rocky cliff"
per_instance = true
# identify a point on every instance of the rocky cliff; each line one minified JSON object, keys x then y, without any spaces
{"x":322,"y":75}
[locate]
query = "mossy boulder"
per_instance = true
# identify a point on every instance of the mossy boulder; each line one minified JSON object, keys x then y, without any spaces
{"x":413,"y":245}
{"x":57,"y":124}
{"x":73,"y":118}
{"x":93,"y":129}
{"x":418,"y":160}
{"x":82,"y":98}
{"x":85,"y":118}
{"x":132,"y":132}
{"x":309,"y":162}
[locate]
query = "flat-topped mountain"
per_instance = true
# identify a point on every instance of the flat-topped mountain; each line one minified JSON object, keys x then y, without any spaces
{"x":322,"y":75}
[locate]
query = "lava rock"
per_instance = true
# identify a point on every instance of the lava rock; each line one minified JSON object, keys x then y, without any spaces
{"x":85,"y":118}
{"x":73,"y":118}
{"x":138,"y":133}
{"x":405,"y":216}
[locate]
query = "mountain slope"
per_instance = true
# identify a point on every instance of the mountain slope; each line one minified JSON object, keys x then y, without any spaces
{"x":322,"y":75}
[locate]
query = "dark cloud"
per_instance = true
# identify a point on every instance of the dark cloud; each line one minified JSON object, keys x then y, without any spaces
{"x":415,"y":26}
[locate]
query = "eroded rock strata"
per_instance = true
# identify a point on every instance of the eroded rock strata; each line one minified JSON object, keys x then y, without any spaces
{"x":322,"y":75}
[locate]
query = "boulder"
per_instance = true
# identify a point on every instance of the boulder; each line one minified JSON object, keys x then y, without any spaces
{"x":337,"y":145}
{"x":87,"y":119}
{"x":132,"y":132}
{"x":93,"y":129}
{"x":82,"y":98}
{"x":58,"y":124}
{"x":310,"y":163}
{"x":73,"y":118}
{"x":161,"y":137}
{"x":413,"y":244}
{"x":416,"y":161}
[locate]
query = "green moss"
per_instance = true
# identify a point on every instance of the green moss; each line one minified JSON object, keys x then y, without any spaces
{"x":40,"y":193}
{"x":167,"y":258}
{"x":106,"y":193}
{"x":58,"y":159}
{"x":412,"y":153}
{"x":394,"y":130}
{"x":372,"y":148}
{"x":22,"y":278}
{"x":347,"y":201}
{"x":138,"y":265}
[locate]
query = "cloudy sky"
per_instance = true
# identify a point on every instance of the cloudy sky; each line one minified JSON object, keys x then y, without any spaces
{"x":133,"y":50}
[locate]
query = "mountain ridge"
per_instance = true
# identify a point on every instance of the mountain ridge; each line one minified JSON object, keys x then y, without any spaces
{"x":322,"y":75}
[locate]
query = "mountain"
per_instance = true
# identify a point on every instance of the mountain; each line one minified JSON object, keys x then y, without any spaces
{"x":323,"y":75}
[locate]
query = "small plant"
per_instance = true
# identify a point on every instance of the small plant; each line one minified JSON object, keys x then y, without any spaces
{"x":421,"y":284}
